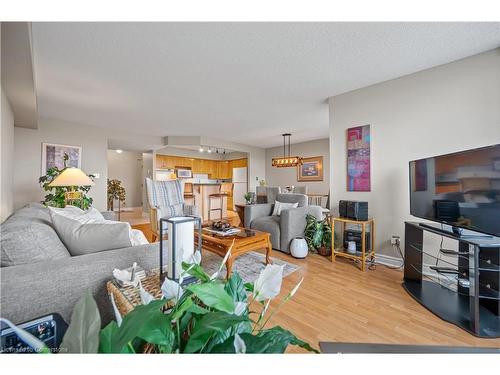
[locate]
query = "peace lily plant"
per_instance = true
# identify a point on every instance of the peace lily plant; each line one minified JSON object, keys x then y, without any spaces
{"x":209,"y":316}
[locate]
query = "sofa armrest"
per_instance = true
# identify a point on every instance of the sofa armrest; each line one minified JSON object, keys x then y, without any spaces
{"x":293,"y":223}
{"x":254,"y":211}
{"x":109,"y":215}
{"x":31,"y":290}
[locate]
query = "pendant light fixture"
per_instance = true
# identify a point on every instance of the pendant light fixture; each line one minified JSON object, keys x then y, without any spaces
{"x":287,"y":161}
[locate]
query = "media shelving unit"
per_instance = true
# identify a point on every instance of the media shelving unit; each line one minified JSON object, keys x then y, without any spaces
{"x":469,"y":297}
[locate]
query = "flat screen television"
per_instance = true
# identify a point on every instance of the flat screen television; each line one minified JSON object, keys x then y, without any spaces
{"x":461,"y":189}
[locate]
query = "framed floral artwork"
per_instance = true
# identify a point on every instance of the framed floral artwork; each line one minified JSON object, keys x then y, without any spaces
{"x":311,"y":169}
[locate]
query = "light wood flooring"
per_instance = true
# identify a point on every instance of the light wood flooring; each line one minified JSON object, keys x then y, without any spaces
{"x":337,"y":302}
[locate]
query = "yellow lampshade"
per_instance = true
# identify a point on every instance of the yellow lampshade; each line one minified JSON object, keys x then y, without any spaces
{"x":72,"y":177}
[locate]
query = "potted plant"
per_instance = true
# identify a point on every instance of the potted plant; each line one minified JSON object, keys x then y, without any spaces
{"x":115,"y":192}
{"x":248,"y":197}
{"x":318,"y":235}
{"x":209,"y":316}
{"x":55,"y":196}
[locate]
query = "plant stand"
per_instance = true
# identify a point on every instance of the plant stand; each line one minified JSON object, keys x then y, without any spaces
{"x":339,"y":250}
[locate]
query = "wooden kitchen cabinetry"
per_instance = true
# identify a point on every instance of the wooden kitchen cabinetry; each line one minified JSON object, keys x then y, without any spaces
{"x":215,"y":169}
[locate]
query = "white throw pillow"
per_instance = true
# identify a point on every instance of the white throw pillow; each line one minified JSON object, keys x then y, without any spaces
{"x":280,"y":206}
{"x":86,"y":233}
{"x":137,"y":237}
{"x":76,"y":213}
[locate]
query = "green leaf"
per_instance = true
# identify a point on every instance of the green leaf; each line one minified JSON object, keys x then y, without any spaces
{"x":249,"y":287}
{"x":158,"y":330}
{"x":208,"y":326}
{"x":213,"y":295}
{"x":107,"y":336}
{"x":236,"y":288}
{"x":274,"y":340}
{"x":82,"y":335}
{"x":196,"y":271}
{"x":133,"y":323}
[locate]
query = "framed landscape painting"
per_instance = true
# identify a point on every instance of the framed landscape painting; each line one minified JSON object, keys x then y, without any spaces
{"x":311,"y":169}
{"x":53,"y":156}
{"x":358,"y":159}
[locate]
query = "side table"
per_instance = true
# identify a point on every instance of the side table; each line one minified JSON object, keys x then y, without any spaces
{"x":367,"y":252}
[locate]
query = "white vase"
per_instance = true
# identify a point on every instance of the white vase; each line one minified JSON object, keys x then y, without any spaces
{"x":299,"y":248}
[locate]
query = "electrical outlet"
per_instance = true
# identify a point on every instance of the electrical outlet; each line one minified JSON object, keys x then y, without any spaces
{"x":395,"y":240}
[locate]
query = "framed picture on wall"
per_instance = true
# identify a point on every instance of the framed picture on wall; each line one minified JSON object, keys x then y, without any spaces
{"x":358,"y":158}
{"x":53,"y":156}
{"x":311,"y":169}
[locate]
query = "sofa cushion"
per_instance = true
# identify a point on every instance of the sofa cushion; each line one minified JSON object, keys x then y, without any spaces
{"x":28,"y":237}
{"x":86,"y":235}
{"x":269,"y":224}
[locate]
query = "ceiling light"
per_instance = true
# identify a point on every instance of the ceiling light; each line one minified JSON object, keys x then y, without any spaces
{"x":201,"y":148}
{"x":287,"y":161}
{"x":119,"y":151}
{"x":209,"y":150}
{"x":216,"y":150}
{"x":224,"y":152}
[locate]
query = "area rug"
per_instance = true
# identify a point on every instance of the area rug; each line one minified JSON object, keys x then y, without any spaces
{"x":248,"y":265}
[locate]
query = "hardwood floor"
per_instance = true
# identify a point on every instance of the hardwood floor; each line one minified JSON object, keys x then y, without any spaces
{"x":337,"y":302}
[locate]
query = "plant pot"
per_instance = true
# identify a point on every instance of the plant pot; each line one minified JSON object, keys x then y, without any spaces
{"x":324,"y":251}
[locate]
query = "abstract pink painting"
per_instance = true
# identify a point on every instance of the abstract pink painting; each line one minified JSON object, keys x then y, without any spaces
{"x":358,"y":158}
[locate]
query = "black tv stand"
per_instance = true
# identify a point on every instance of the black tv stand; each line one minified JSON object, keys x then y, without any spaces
{"x":457,"y":232}
{"x":464,"y":289}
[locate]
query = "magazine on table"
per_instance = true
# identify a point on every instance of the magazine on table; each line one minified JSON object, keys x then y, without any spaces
{"x":226,"y":232}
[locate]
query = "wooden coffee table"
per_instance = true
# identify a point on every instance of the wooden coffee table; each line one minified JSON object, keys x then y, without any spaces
{"x":245,"y":241}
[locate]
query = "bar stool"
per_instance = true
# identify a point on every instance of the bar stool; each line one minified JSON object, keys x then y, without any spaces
{"x":224,"y":190}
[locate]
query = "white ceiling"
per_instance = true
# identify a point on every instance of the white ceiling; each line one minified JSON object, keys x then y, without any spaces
{"x":243,"y":82}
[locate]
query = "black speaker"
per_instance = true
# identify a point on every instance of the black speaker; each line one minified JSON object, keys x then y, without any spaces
{"x":354,"y":210}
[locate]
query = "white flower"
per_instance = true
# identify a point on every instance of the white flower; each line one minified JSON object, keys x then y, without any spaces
{"x":268,"y":285}
{"x":171,"y":290}
{"x":27,"y":337}
{"x":239,"y":345}
{"x":118,"y":316}
{"x":240,"y":308}
{"x":145,"y":296}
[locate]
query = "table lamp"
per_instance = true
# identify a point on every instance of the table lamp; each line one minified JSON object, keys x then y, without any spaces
{"x":72,"y":177}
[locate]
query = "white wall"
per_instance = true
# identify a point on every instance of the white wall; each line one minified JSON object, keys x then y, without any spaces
{"x":94,"y":143}
{"x":7,"y":155}
{"x":288,"y":176}
{"x":127,"y":167}
{"x":28,"y":151}
{"x":449,"y":108}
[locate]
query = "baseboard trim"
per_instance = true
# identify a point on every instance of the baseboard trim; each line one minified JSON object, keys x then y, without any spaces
{"x":388,"y":260}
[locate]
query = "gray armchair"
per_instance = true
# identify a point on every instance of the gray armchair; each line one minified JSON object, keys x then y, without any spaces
{"x":284,"y":228}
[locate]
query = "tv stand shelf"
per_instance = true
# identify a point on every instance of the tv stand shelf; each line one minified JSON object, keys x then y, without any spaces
{"x":466,"y":293}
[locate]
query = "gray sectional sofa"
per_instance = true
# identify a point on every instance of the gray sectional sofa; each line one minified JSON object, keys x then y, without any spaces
{"x":39,"y":275}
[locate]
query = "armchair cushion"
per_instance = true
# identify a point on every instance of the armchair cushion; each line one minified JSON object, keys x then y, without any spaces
{"x":301,"y":199}
{"x":269,"y":224}
{"x":279,"y":206}
{"x":253,"y":211}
